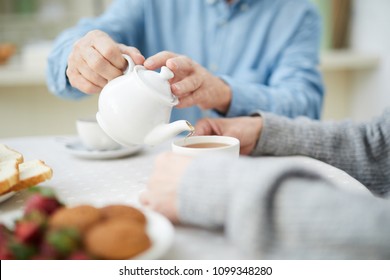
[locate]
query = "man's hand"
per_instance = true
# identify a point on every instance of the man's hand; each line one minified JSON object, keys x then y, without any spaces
{"x":96,"y":59}
{"x":246,"y":129}
{"x":161,"y":192}
{"x":193,"y":84}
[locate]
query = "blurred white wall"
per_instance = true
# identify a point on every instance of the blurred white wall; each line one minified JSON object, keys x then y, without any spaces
{"x":26,"y":106}
{"x":371,"y":33}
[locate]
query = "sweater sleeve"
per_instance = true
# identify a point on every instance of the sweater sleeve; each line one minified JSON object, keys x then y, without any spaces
{"x":362,"y":150}
{"x":270,"y":209}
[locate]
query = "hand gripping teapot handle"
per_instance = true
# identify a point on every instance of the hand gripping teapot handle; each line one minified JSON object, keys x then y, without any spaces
{"x":130,"y":64}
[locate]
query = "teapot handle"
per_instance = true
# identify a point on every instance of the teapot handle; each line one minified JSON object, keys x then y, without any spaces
{"x":130,"y":64}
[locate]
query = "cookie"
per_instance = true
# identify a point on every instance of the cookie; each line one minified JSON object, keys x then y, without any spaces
{"x":80,"y":217}
{"x":123,"y":211}
{"x":116,"y":239}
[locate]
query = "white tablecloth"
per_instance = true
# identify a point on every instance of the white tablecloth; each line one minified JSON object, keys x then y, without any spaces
{"x":100,"y":182}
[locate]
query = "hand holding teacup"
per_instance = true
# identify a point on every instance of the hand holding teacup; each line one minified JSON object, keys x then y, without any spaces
{"x":246,"y":129}
{"x":161,"y":192}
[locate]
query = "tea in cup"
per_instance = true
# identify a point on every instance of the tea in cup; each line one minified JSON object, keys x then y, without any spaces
{"x":199,"y":145}
{"x":93,"y":137}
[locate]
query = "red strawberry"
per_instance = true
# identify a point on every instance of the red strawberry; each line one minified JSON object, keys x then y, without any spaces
{"x":5,"y":238}
{"x":27,"y":231}
{"x":5,"y":253}
{"x":5,"y":234}
{"x":44,"y":204}
{"x":37,"y":217}
{"x":46,"y":252}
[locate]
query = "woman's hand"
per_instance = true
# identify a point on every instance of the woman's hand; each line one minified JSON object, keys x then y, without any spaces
{"x":161,"y":191}
{"x":96,"y":59}
{"x":246,"y":129}
{"x":193,"y":84}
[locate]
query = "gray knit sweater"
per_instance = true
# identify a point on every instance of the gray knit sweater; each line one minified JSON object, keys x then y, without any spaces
{"x":274,"y":209}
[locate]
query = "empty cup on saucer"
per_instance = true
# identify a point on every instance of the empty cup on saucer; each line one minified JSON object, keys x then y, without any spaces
{"x":93,"y":137}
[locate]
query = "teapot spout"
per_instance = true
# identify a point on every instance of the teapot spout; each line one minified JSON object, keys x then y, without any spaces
{"x":164,"y":132}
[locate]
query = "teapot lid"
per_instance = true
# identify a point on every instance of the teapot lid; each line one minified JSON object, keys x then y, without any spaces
{"x":158,"y":81}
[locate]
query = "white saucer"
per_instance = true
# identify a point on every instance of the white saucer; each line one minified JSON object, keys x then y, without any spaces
{"x":77,"y":149}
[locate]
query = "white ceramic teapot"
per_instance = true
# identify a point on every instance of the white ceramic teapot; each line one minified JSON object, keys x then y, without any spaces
{"x":135,"y":108}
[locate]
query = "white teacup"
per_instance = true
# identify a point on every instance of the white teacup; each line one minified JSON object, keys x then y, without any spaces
{"x":199,"y":145}
{"x":93,"y":137}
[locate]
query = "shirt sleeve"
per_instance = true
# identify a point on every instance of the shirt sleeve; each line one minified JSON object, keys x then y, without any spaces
{"x":295,"y":85}
{"x":275,"y":209}
{"x":360,"y":149}
{"x":121,"y":21}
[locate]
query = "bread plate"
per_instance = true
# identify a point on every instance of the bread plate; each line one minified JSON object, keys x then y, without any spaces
{"x":6,"y":196}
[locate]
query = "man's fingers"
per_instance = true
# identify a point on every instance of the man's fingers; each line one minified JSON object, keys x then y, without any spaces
{"x":110,"y":51}
{"x":78,"y":81}
{"x":100,"y":64}
{"x":87,"y":72}
{"x":134,"y":53}
{"x":187,"y":85}
{"x":158,"y":60}
{"x":200,"y":97}
{"x":186,"y":101}
{"x":204,"y":127}
{"x":91,"y":76}
{"x":104,"y":45}
{"x":180,"y":64}
{"x":96,"y":59}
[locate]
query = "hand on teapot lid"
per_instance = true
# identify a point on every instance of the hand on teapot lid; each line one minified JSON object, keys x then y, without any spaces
{"x":158,"y":81}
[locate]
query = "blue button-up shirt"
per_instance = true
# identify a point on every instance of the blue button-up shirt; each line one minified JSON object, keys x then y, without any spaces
{"x":266,"y":50}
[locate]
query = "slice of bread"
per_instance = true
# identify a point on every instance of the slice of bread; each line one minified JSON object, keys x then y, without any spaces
{"x":7,"y":153}
{"x":16,"y":175}
{"x":32,"y":173}
{"x":9,"y":174}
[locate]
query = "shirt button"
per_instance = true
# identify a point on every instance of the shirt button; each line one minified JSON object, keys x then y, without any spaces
{"x":213,"y":67}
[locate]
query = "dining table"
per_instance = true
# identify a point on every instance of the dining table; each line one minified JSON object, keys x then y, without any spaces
{"x":82,"y":179}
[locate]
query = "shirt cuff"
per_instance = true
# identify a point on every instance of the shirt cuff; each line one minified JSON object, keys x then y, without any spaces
{"x":275,"y":137}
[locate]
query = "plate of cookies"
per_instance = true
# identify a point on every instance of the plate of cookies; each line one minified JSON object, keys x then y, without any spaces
{"x":48,"y":229}
{"x":116,"y":232}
